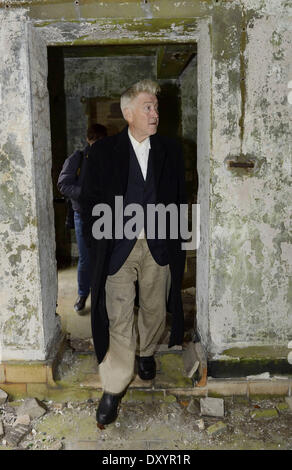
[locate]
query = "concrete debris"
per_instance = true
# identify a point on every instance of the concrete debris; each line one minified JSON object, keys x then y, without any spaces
{"x":22,"y":419}
{"x":194,"y":358}
{"x":8,"y":414}
{"x":3,"y":396}
{"x":190,"y":360}
{"x":56,"y":446}
{"x":13,"y":436}
{"x":289,"y":401}
{"x":200,"y":424}
{"x":58,"y":406}
{"x":9,"y":409}
{"x":31,"y":407}
{"x":263,"y":376}
{"x":264,"y":414}
{"x":216,"y":428}
{"x":170,"y":398}
{"x":212,"y":406}
{"x":193,"y":406}
{"x":282,"y":407}
{"x":1,"y":429}
{"x":203,"y":370}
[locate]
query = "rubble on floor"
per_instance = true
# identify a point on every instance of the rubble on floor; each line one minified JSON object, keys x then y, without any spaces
{"x":289,"y":402}
{"x":3,"y":397}
{"x":216,"y":428}
{"x":212,"y":406}
{"x":179,"y":424}
{"x":31,"y":407}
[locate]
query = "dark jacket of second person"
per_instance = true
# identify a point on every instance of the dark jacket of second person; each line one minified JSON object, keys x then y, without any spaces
{"x":71,"y":177}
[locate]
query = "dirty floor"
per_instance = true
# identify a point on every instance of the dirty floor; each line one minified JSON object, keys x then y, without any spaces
{"x":158,"y":426}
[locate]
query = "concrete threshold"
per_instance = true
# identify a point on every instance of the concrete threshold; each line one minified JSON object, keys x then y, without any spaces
{"x":216,"y":388}
{"x":77,"y":378}
{"x":171,"y":381}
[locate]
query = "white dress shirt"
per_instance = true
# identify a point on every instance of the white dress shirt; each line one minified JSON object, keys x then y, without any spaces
{"x":141,"y":150}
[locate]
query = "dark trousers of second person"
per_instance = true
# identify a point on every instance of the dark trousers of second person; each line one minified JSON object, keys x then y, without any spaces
{"x":83,"y":261}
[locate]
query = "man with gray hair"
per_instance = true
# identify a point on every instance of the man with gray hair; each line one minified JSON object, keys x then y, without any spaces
{"x":143,"y":168}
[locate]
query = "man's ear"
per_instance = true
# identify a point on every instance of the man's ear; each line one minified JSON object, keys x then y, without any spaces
{"x":127,"y":114}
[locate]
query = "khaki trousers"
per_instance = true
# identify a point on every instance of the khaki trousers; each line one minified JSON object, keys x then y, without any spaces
{"x":117,"y":368}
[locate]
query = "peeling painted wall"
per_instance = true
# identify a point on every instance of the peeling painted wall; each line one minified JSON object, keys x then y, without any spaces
{"x":251,"y":253}
{"x":28,"y":275}
{"x":42,"y":163}
{"x":244,"y":261}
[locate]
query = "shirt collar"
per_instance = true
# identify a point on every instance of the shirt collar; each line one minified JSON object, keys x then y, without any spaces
{"x":145,"y":143}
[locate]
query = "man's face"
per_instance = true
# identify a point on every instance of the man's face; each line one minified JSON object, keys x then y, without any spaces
{"x":142,"y":116}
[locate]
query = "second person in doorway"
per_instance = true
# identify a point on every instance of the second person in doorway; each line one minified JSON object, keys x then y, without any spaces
{"x":69,"y":184}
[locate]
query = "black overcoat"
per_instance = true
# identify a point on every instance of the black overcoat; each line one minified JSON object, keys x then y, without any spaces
{"x":106,"y":176}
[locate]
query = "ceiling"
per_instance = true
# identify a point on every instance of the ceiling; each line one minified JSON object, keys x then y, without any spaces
{"x":171,"y":59}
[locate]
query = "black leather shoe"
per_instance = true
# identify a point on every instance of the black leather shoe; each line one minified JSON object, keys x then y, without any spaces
{"x":146,"y":367}
{"x":80,"y":303}
{"x":107,"y":410}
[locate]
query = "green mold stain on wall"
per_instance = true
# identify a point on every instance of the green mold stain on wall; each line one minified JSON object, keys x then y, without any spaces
{"x":279,"y":54}
{"x":243,"y":43}
{"x":257,"y":246}
{"x":279,"y":131}
{"x":282,"y":236}
{"x":16,"y":331}
{"x":276,"y":39}
{"x":226,"y":33}
{"x":16,"y":258}
{"x":289,"y":292}
{"x":11,"y":163}
{"x":11,"y":155}
{"x":231,"y":128}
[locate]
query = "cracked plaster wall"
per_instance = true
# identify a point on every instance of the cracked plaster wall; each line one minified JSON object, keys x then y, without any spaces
{"x":28,"y":275}
{"x":250,"y":249}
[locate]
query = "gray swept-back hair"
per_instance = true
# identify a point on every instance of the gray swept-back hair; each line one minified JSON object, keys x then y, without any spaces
{"x":143,"y":86}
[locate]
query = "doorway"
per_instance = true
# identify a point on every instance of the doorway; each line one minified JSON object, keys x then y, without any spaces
{"x":85,"y":83}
